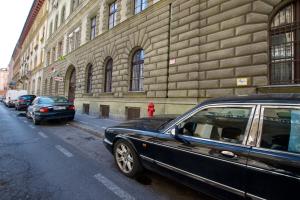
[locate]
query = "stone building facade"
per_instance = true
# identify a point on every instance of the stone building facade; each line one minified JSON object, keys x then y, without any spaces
{"x":174,"y":53}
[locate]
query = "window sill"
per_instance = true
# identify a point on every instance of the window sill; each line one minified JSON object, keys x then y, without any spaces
{"x":87,"y":94}
{"x":135,"y":94}
{"x":290,"y":88}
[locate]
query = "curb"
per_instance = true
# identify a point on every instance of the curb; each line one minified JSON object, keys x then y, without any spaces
{"x":87,"y":129}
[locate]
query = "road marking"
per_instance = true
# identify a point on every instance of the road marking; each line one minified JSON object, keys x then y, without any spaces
{"x":113,"y":187}
{"x":42,"y":134}
{"x":31,"y":126}
{"x":64,"y":151}
{"x":103,"y":127}
{"x":25,"y":121}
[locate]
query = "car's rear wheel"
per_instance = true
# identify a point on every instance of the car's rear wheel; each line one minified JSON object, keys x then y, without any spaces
{"x":126,"y":158}
{"x":35,"y":121}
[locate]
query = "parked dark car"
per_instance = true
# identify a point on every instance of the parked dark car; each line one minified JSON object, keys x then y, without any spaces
{"x":230,"y":148}
{"x":24,"y":101}
{"x":50,"y":107}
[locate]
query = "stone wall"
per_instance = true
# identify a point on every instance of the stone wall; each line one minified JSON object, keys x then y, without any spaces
{"x":194,"y":50}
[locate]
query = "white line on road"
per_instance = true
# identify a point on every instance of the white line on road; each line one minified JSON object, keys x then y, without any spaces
{"x":113,"y":187}
{"x":42,"y":134}
{"x":31,"y":126}
{"x":64,"y":151}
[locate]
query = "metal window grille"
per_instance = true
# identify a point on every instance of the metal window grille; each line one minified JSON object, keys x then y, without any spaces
{"x":137,"y":72}
{"x":89,"y":79}
{"x":284,"y":45}
{"x":108,"y":76}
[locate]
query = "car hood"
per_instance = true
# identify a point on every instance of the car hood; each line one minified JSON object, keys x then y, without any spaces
{"x":148,"y":124}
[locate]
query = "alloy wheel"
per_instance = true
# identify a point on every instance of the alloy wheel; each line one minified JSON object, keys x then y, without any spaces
{"x":124,"y":158}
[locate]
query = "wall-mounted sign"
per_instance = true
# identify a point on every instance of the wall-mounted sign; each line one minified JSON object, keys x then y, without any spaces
{"x":172,"y":61}
{"x":59,"y":79}
{"x":242,"y":81}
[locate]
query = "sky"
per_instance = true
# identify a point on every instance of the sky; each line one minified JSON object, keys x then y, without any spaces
{"x":13,"y":14}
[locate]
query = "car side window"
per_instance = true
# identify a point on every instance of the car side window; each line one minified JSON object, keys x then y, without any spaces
{"x":227,"y":124}
{"x":281,"y":129}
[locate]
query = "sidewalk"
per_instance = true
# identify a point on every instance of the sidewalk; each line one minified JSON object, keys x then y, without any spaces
{"x":93,"y":124}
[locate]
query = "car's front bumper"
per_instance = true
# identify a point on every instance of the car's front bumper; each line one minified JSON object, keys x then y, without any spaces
{"x":108,"y":144}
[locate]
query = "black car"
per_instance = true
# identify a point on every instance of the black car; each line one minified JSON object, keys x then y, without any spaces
{"x":230,"y":148}
{"x":50,"y":107}
{"x":24,"y":101}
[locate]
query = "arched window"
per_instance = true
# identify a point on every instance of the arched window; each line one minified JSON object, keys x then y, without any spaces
{"x":137,"y":71}
{"x":63,"y":14}
{"x":50,"y":86}
{"x":39,"y":86}
{"x":33,"y":87}
{"x":56,"y":88}
{"x":284,"y":45}
{"x":89,"y":76}
{"x":108,"y":76}
{"x":46,"y":87}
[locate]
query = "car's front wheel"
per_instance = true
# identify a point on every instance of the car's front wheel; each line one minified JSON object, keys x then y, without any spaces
{"x":126,"y":158}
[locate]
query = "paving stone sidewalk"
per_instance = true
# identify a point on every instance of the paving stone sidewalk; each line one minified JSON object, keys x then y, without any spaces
{"x":93,"y":124}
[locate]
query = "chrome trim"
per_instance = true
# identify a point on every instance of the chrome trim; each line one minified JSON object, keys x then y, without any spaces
{"x":272,"y":172}
{"x":107,"y":141}
{"x":252,"y":136}
{"x":254,"y":197}
{"x":191,"y":152}
{"x":197,"y":177}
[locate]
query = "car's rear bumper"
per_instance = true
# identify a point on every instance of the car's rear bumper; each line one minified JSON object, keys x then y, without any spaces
{"x":52,"y":116}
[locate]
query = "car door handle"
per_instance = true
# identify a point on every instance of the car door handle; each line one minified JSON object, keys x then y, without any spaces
{"x":228,"y":154}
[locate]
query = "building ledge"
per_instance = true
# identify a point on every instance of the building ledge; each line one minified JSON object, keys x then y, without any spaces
{"x":292,"y":88}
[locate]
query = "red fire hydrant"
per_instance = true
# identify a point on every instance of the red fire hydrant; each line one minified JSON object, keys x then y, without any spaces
{"x":151,"y":109}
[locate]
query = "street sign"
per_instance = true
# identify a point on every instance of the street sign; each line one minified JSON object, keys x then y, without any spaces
{"x":59,"y":79}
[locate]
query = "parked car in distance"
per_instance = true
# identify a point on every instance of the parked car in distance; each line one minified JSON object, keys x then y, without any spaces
{"x":24,"y":101}
{"x":12,"y":97}
{"x":2,"y":97}
{"x":230,"y":148}
{"x":50,"y":107}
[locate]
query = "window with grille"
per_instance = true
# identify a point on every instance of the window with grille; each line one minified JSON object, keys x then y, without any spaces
{"x":113,"y":9}
{"x":60,"y":49}
{"x":108,"y":76}
{"x":53,"y":54}
{"x":137,"y":71}
{"x":140,"y":5}
{"x":284,"y":45}
{"x":93,"y":28}
{"x":89,"y":79}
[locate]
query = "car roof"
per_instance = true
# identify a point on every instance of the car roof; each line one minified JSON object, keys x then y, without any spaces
{"x":287,"y":98}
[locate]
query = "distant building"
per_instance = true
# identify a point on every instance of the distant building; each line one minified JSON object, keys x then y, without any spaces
{"x":3,"y":80}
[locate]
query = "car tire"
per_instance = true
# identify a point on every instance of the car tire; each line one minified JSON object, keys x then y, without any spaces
{"x":127,"y":159}
{"x":35,"y":121}
{"x":27,"y":114}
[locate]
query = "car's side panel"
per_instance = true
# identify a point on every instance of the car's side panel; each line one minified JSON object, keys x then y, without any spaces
{"x":273,"y":174}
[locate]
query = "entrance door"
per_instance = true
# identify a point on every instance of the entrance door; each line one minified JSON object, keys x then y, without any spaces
{"x":72,"y":86}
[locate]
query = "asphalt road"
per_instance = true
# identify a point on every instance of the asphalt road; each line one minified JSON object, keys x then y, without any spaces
{"x":58,"y":161}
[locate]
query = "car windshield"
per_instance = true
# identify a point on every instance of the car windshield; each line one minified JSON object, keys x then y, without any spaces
{"x":52,"y":100}
{"x":29,"y":97}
